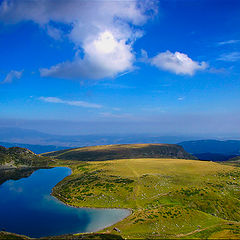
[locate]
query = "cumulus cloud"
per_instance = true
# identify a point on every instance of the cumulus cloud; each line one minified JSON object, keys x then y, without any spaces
{"x":103,"y":31}
{"x":178,"y":63}
{"x":70,"y":102}
{"x":230,"y":57}
{"x":11,"y":76}
{"x":104,"y":57}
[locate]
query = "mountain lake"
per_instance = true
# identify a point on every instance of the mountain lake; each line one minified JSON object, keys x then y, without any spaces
{"x":27,"y":207}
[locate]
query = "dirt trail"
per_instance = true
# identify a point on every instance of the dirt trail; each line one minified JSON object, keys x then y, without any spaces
{"x":137,"y":189}
{"x":197,"y":230}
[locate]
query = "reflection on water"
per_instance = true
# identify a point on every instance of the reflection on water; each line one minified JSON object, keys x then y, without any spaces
{"x":26,"y":207}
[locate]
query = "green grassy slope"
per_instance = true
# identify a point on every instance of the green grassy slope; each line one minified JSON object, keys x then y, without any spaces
{"x":170,"y":198}
{"x":16,"y":162}
{"x":21,"y":157}
{"x":122,"y":151}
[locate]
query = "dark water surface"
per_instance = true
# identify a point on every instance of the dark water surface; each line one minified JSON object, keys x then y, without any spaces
{"x":26,"y":207}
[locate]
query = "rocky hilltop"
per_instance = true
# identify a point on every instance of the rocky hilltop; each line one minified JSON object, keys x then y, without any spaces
{"x":16,"y":157}
{"x":16,"y":163}
{"x":122,"y":151}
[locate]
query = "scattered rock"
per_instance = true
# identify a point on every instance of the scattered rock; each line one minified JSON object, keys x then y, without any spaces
{"x":116,"y":229}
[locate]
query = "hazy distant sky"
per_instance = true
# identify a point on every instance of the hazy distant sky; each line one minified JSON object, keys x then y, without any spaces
{"x":167,"y":66}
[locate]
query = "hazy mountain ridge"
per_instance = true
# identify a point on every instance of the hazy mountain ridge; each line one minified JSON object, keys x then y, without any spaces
{"x":216,"y":157}
{"x":212,"y":146}
{"x":38,"y":142}
{"x":213,"y":150}
{"x":33,"y":137}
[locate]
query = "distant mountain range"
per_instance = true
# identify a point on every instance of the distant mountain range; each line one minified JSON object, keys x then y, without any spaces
{"x":213,"y":150}
{"x":38,"y":142}
{"x":216,"y":157}
{"x":33,"y":137}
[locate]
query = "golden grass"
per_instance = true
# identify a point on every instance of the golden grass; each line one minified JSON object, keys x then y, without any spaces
{"x":115,"y":147}
{"x":124,"y":167}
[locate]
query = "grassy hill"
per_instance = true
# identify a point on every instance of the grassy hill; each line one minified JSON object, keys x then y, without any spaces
{"x":21,"y":157}
{"x":122,"y":151}
{"x":16,"y":162}
{"x":170,"y":198}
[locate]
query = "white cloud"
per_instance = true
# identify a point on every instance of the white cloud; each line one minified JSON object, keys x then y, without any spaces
{"x":178,"y":63}
{"x":228,"y":42}
{"x":103,"y":31}
{"x":104,"y":57}
{"x":11,"y":76}
{"x":70,"y":102}
{"x":230,"y":57}
{"x":118,"y":116}
{"x":180,"y":98}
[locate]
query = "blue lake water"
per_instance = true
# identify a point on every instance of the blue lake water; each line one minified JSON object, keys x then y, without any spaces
{"x":26,"y":207}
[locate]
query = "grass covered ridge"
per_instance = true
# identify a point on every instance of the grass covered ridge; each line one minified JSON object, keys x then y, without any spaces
{"x":170,"y":198}
{"x":122,"y":151}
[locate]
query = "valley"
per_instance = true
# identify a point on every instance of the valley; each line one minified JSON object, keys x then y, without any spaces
{"x":169,"y":197}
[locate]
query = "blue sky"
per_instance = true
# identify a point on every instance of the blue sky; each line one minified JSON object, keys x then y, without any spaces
{"x":171,"y":67}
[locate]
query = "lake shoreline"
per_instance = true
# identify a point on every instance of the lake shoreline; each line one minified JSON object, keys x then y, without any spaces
{"x":16,"y":173}
{"x":104,"y":208}
{"x":128,"y":213}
